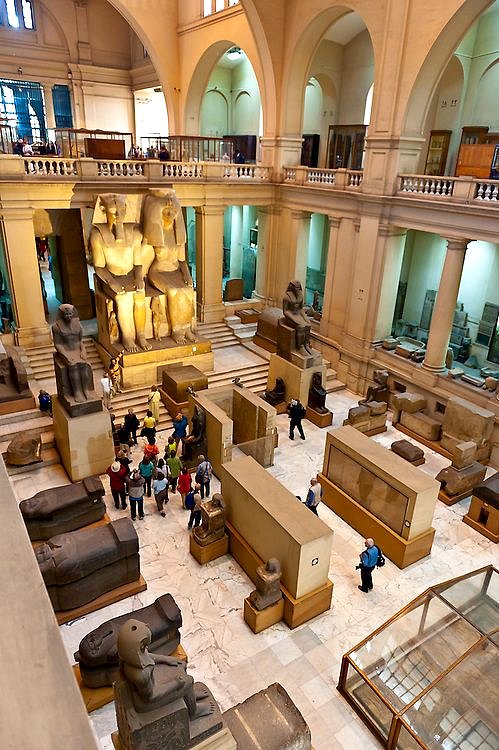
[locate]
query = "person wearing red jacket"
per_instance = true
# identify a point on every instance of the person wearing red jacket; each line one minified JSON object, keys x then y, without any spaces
{"x":117,"y":474}
{"x":184,"y":483}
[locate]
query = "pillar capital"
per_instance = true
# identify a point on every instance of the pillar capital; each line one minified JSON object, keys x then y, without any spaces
{"x":300,"y":214}
{"x":456,"y":243}
{"x":334,"y":221}
{"x":209,"y":210}
{"x":389,"y":230}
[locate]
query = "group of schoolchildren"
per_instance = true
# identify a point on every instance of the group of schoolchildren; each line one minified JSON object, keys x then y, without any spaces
{"x":158,"y":476}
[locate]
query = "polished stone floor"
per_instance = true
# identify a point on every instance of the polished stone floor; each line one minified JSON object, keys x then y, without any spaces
{"x":223,"y":652}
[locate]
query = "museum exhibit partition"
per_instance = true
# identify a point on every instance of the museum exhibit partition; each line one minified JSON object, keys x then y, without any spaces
{"x":429,"y":677}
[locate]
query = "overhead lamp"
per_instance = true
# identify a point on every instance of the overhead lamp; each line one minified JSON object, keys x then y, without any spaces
{"x":234,"y":53}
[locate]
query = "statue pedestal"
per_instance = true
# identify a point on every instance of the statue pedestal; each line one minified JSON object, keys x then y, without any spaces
{"x":208,"y":552}
{"x":139,"y":369}
{"x":85,"y":443}
{"x":297,"y":380}
{"x":261,"y":619}
{"x":318,"y":418}
{"x":167,"y":727}
{"x":175,"y":381}
{"x":222,"y":740}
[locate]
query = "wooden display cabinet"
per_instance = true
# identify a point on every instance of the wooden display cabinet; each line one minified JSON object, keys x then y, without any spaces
{"x":438,"y":148}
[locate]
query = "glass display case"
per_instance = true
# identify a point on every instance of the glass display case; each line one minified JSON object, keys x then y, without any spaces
{"x":97,"y":144}
{"x":438,"y":148}
{"x":429,"y":677}
{"x":191,"y":147}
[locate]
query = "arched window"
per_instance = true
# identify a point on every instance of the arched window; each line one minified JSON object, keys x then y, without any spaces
{"x":215,"y":6}
{"x":18,"y":14}
{"x":369,"y":104}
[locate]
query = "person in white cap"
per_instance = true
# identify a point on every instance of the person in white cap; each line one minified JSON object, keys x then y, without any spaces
{"x":117,"y":474}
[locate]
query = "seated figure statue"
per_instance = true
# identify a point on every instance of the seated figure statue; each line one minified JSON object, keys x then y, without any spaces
{"x":75,"y":382}
{"x":380,"y":391}
{"x":295,"y":317}
{"x":213,"y":521}
{"x":156,"y":680}
{"x":190,"y":444}
{"x":317,"y":394}
{"x":164,"y":229}
{"x":268,"y":579}
{"x":117,"y":257}
{"x":278,"y":394}
{"x":97,"y":654}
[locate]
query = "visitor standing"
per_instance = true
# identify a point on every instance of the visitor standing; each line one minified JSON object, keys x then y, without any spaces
{"x":45,"y":402}
{"x":131,"y":424}
{"x":296,"y":412}
{"x":195,"y":500}
{"x":149,"y":425}
{"x":171,"y":446}
{"x":160,"y":488}
{"x":106,"y":386}
{"x":146,"y":468}
{"x":369,"y":558}
{"x":135,"y":487}
{"x":203,"y":476}
{"x":314,"y":495}
{"x":151,"y":450}
{"x":175,"y":467}
{"x":153,"y":402}
{"x":179,"y":427}
{"x":117,"y":474}
{"x":184,"y":484}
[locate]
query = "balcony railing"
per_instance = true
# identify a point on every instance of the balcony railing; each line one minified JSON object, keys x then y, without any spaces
{"x":455,"y":189}
{"x":49,"y":169}
{"x":341,"y":179}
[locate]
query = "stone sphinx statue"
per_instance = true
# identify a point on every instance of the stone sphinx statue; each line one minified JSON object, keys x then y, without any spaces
{"x":268,"y":590}
{"x":164,"y":229}
{"x":212,"y":521}
{"x":296,"y":318}
{"x":380,"y":390}
{"x":278,"y":394}
{"x":62,"y":509}
{"x":97,"y":654}
{"x":197,"y":435}
{"x":79,"y":566}
{"x":117,"y":257}
{"x":317,"y":394}
{"x":158,"y":705}
{"x":73,"y":374}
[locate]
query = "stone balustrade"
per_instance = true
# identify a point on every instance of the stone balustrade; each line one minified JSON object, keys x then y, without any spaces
{"x":456,"y":189}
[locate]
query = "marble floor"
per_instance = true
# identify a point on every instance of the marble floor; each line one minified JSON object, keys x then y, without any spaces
{"x":223,"y":652}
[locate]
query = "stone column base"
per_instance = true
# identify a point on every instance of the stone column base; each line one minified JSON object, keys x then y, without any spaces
{"x":39,"y":336}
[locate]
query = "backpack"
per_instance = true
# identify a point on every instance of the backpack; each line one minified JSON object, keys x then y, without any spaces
{"x":381,"y":560}
{"x":189,"y":501}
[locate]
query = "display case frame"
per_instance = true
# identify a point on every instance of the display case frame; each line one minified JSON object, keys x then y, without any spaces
{"x":455,"y":704}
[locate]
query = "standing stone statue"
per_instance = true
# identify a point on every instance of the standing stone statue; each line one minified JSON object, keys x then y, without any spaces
{"x":117,"y":256}
{"x":212,"y":521}
{"x":164,"y":229}
{"x":196,"y":436}
{"x":268,"y":590}
{"x":75,"y":382}
{"x":158,"y":705}
{"x":296,"y":318}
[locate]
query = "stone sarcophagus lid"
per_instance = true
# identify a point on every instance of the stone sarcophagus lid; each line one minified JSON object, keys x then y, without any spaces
{"x":80,"y":566}
{"x":62,"y":509}
{"x":98,"y":651}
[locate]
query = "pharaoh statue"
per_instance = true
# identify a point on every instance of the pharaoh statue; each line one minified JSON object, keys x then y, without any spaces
{"x":268,"y":590}
{"x":157,"y":680}
{"x":278,"y":394}
{"x":296,"y":318}
{"x":117,"y":257}
{"x":73,"y":373}
{"x":164,"y":229}
{"x":212,"y":521}
{"x":317,"y":394}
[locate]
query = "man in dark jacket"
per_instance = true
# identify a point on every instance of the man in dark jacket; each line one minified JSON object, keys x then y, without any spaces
{"x":368,"y":560}
{"x":296,"y":412}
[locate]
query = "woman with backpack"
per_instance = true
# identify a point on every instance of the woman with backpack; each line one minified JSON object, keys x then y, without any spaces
{"x":203,"y":476}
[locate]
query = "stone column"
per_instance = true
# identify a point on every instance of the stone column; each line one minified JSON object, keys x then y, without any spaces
{"x":327,"y":305}
{"x":445,"y":306}
{"x":209,"y":262}
{"x":236,"y":242}
{"x":49,"y":105}
{"x":266,"y":225}
{"x":298,"y":250}
{"x":393,"y":239}
{"x":24,"y":276}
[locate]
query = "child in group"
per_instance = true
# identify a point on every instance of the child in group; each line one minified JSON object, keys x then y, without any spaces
{"x":184,"y":483}
{"x":151,"y":450}
{"x":171,"y":446}
{"x":175,"y":466}
{"x":160,"y":488}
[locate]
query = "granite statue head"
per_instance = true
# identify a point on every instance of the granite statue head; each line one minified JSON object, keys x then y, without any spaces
{"x":133,"y":640}
{"x":113,"y":206}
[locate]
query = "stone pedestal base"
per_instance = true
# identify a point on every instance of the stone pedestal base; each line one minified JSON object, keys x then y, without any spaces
{"x":140,"y":369}
{"x":297,"y":380}
{"x":222,"y":740}
{"x":319,"y":419}
{"x":484,"y":518}
{"x":175,"y":379}
{"x":261,"y":619}
{"x":208,"y":552}
{"x":85,"y":444}
{"x":459,"y":483}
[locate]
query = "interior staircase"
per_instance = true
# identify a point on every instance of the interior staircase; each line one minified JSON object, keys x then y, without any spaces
{"x":40,"y":361}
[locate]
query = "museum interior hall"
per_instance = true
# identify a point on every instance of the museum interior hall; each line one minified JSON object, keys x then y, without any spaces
{"x":249,"y":374}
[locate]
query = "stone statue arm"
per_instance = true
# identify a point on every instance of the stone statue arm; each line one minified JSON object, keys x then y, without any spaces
{"x":137,"y":260}
{"x":69,"y":356}
{"x":170,"y":661}
{"x":99,"y":260}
